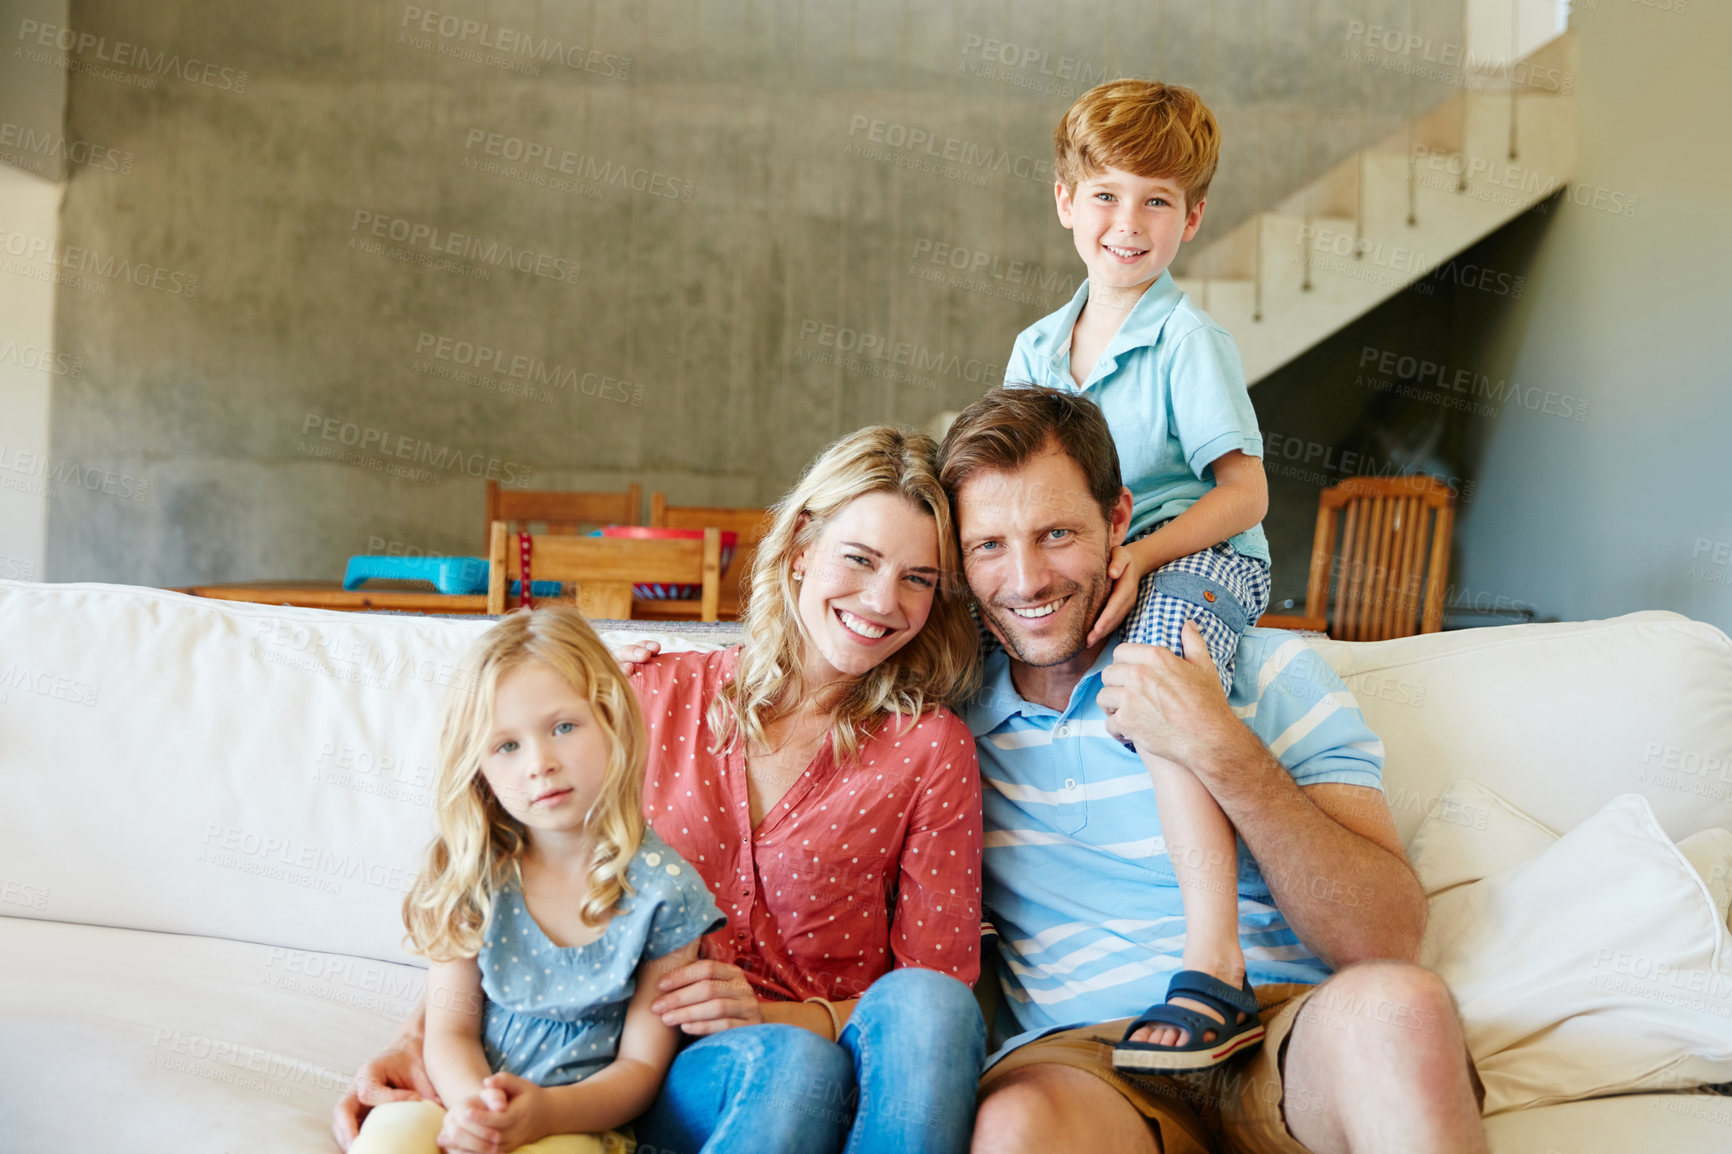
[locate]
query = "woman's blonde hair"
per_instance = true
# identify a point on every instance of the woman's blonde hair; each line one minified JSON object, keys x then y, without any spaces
{"x":939,"y":666}
{"x":479,"y":846}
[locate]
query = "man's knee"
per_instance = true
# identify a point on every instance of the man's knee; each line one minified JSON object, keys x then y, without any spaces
{"x":1052,"y":1107}
{"x":1384,"y":997}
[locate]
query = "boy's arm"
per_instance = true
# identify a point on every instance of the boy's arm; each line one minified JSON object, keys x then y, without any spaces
{"x":1238,"y":502}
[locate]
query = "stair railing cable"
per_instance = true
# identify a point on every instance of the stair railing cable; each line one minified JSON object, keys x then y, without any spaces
{"x":1263,"y":118}
{"x":1515,"y":16}
{"x":1308,"y":231}
{"x":1361,"y":113}
{"x":1412,"y":160}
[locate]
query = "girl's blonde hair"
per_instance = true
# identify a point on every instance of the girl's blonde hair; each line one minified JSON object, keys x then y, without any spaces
{"x":939,"y":666}
{"x":479,"y":846}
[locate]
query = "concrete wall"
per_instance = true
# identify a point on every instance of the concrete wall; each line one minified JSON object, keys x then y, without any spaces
{"x":1625,"y":306}
{"x":275,"y":331}
{"x":33,"y":158}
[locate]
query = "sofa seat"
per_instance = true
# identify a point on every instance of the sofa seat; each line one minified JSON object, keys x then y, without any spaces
{"x":175,"y":1043}
{"x":152,"y":1043}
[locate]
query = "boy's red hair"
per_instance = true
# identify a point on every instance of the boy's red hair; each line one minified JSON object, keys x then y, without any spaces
{"x":1144,"y":127}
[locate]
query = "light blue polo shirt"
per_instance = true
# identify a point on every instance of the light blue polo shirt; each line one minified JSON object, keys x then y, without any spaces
{"x":1076,"y":877}
{"x":1173,"y":389}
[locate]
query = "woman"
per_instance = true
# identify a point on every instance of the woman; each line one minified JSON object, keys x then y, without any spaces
{"x":831,"y":802}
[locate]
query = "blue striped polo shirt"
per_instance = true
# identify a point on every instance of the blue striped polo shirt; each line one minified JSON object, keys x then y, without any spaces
{"x":1077,"y":880}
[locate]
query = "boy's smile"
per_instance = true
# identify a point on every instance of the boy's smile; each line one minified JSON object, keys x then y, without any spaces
{"x":1127,"y":228}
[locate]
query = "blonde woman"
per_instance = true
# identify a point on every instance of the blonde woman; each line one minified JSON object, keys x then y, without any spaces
{"x":816,"y":779}
{"x":547,"y":908}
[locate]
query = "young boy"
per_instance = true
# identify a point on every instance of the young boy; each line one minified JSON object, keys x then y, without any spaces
{"x":1134,"y":161}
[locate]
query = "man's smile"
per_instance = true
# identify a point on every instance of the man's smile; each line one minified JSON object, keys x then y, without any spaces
{"x":1035,"y":612}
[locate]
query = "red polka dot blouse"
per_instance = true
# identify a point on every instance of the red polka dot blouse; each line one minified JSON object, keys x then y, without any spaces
{"x":858,"y":869}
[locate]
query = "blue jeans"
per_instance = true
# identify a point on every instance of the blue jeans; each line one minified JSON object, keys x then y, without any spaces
{"x":899,"y":1081}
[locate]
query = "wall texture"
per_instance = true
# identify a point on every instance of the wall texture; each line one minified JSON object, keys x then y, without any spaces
{"x":367,"y":254}
{"x":1625,"y":306}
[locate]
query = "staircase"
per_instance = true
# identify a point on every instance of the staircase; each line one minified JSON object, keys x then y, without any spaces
{"x":1386,"y":218}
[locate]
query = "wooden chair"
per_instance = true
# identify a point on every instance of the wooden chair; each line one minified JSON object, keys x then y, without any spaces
{"x":561,"y":512}
{"x":605,"y":568}
{"x":1392,"y":569}
{"x":748,"y":524}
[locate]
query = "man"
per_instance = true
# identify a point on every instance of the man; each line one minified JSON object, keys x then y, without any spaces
{"x":1082,"y":887}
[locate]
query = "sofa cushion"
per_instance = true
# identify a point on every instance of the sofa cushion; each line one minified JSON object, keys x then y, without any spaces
{"x":1599,"y":966}
{"x":159,"y":1043}
{"x":216,"y":768}
{"x":1559,"y":719}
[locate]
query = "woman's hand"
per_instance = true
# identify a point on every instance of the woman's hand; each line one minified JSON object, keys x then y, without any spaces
{"x":631,"y":656}
{"x":707,"y":997}
{"x":508,"y":1112}
{"x":397,"y":1075}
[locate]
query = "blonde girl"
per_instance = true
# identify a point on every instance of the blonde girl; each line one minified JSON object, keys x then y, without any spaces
{"x":547,"y":907}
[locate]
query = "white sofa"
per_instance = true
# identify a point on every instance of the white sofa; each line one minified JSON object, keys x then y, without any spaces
{"x":208,"y":813}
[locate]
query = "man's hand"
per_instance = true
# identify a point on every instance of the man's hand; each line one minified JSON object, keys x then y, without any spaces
{"x":397,"y":1075}
{"x":707,"y":997}
{"x":1126,"y":574}
{"x":631,"y":656}
{"x":1169,"y":706}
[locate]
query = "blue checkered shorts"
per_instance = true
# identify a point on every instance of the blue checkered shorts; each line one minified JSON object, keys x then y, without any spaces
{"x":1219,"y":588}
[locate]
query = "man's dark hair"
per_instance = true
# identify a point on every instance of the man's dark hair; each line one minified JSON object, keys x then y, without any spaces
{"x":1007,"y":426}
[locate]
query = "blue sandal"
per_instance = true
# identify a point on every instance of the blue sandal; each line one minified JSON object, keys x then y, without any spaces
{"x":1231,"y":1038}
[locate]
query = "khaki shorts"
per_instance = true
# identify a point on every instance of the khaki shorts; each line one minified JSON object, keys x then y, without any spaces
{"x":1235,"y":1107}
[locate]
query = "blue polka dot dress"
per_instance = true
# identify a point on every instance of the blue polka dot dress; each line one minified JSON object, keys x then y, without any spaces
{"x":554,"y":1013}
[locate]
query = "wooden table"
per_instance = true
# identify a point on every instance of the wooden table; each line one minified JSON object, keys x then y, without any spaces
{"x":386,"y":598}
{"x":332,"y":595}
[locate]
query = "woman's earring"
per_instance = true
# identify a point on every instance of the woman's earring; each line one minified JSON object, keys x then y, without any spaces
{"x":799,"y":576}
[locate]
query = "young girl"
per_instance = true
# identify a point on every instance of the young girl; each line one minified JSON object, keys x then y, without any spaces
{"x":548,"y":909}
